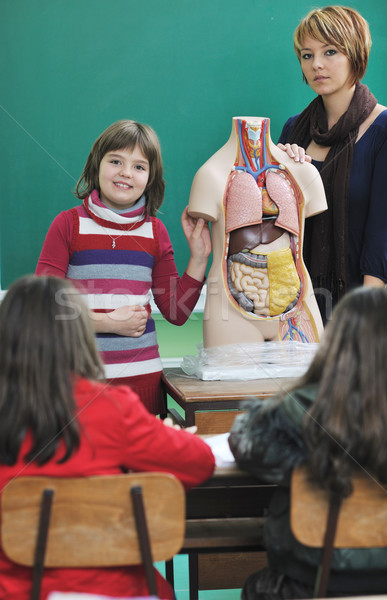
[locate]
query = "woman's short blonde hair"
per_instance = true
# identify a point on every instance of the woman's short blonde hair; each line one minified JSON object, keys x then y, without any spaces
{"x":342,"y":27}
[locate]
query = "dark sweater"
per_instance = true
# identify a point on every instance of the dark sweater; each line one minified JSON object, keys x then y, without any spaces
{"x":267,"y":441}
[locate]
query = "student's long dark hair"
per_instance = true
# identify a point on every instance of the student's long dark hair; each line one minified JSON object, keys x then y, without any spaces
{"x":346,"y":429}
{"x":47,"y":340}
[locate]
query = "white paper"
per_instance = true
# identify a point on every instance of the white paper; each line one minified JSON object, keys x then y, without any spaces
{"x":221,"y":449}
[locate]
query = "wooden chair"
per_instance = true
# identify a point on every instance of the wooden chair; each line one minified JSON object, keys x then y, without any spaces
{"x":104,"y":521}
{"x":322,"y":521}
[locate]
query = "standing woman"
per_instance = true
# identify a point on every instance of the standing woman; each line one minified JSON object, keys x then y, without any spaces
{"x":344,"y":131}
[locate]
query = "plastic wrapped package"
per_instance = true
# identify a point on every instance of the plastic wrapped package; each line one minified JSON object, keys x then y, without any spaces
{"x":263,"y":360}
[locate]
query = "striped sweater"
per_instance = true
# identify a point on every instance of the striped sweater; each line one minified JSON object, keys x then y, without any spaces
{"x":117,"y":260}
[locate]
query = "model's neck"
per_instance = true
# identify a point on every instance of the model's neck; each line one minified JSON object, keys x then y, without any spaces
{"x":254,"y":127}
{"x":252,"y":141}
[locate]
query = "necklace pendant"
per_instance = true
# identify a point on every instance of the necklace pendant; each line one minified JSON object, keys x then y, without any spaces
{"x":113,"y":243}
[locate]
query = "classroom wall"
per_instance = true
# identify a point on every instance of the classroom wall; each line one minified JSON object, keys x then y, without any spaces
{"x":69,"y":68}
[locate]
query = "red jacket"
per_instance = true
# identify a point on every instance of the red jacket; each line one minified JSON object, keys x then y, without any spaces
{"x":117,"y":435}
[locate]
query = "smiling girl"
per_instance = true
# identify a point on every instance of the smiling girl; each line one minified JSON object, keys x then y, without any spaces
{"x":117,"y":252}
{"x":344,"y":131}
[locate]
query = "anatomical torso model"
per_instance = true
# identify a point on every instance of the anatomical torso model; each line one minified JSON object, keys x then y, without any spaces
{"x":257,"y":198}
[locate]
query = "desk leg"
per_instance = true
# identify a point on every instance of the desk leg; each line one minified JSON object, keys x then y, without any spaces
{"x":177,"y":418}
{"x":189,"y":417}
{"x":164,"y":395}
{"x":193,"y":570}
{"x":169,"y":573}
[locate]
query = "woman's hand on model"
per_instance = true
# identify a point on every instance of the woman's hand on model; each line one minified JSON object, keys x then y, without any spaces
{"x":197,"y":234}
{"x":129,"y":321}
{"x":297,"y":153}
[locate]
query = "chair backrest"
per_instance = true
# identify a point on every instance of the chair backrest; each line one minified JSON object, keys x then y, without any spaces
{"x":93,"y":520}
{"x":81,"y":596}
{"x":316,"y":520}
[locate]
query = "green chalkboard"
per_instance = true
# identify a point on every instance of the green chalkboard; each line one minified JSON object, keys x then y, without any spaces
{"x":69,"y":68}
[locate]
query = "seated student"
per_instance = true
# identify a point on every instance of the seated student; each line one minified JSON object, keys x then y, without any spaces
{"x":335,"y":421}
{"x":59,"y":418}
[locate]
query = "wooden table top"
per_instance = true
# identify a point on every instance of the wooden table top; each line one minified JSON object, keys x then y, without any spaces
{"x":192,"y":389}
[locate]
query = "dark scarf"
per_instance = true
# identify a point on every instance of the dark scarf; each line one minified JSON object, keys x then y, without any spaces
{"x":326,"y":235}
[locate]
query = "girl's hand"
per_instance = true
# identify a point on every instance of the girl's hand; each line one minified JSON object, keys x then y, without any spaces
{"x":129,"y":321}
{"x":197,"y":234}
{"x":296,"y":152}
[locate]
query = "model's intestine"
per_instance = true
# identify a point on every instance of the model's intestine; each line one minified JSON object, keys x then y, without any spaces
{"x":262,"y":203}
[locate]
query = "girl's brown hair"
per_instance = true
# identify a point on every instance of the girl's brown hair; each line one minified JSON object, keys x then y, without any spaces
{"x":47,"y":340}
{"x":126,"y":134}
{"x":345,"y":430}
{"x":342,"y":27}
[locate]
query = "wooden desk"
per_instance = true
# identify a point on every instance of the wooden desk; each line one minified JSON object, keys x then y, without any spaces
{"x":223,"y":539}
{"x":229,"y":492}
{"x":212,"y":405}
